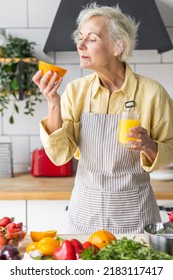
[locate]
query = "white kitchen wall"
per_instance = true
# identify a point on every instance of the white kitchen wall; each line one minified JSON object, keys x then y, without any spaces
{"x":32,"y":19}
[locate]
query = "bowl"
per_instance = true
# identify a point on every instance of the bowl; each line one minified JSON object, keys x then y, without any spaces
{"x":161,"y":242}
{"x":12,"y":237}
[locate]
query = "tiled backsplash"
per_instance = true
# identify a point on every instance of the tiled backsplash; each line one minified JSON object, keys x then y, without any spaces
{"x":33,"y":21}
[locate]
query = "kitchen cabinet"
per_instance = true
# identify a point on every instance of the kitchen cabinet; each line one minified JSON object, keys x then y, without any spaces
{"x":47,"y":215}
{"x":38,"y":215}
{"x":15,"y":208}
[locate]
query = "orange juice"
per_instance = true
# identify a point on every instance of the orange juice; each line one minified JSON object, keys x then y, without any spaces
{"x":128,"y":119}
{"x":124,"y":128}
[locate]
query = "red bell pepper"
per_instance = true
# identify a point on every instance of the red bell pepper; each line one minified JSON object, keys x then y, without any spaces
{"x":65,"y":252}
{"x":78,"y":247}
{"x":69,"y":250}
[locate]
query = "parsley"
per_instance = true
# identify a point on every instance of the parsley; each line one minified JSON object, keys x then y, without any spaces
{"x":125,"y":249}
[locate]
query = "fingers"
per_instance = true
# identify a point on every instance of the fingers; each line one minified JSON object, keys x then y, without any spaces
{"x":48,"y":83}
{"x":36,"y":78}
{"x":138,"y":132}
{"x":141,"y":138}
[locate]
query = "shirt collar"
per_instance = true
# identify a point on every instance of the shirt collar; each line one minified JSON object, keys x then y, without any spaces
{"x":128,"y":88}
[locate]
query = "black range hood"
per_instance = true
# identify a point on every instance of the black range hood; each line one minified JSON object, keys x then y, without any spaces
{"x":152,"y":34}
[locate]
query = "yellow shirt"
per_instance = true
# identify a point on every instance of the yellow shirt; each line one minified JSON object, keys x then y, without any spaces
{"x":151,"y":100}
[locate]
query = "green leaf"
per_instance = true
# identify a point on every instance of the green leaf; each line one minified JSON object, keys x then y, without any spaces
{"x":14,"y":84}
{"x":126,"y":249}
{"x":16,"y":108}
{"x":11,"y":119}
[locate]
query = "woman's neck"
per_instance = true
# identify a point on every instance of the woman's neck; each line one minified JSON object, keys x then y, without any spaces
{"x":113,"y":79}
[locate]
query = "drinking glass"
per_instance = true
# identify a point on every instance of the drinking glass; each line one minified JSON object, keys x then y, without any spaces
{"x":128,"y":119}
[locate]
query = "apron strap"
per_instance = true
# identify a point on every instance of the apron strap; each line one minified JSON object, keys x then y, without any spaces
{"x":87,"y":103}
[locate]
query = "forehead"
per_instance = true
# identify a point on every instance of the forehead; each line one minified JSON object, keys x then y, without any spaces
{"x":96,"y":24}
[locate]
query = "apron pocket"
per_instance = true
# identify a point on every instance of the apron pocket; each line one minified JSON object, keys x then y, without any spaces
{"x":108,"y":210}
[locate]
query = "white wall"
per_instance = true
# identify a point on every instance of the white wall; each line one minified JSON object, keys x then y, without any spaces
{"x":32,"y":19}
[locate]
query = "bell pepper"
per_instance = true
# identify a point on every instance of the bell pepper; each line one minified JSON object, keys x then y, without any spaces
{"x":69,"y":250}
{"x":78,"y":247}
{"x":47,"y":245}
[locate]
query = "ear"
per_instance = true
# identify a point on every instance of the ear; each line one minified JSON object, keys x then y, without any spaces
{"x":118,"y":48}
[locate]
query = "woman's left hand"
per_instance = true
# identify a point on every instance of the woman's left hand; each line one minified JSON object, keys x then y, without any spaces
{"x":143,"y":143}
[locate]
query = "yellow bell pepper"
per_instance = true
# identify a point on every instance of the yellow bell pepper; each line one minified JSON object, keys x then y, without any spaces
{"x":47,"y":245}
{"x":31,"y":247}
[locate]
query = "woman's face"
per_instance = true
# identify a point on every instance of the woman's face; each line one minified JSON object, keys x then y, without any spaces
{"x":95,"y":48}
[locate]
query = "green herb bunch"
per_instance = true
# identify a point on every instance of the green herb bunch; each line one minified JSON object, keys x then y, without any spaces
{"x":125,"y":249}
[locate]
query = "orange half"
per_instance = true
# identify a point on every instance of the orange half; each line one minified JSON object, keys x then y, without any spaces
{"x":44,"y":67}
{"x":38,"y":235}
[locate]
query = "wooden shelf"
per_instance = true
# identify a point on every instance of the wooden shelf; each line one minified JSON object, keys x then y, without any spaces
{"x":26,"y":60}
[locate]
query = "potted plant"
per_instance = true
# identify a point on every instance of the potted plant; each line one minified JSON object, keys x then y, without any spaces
{"x":17,"y":66}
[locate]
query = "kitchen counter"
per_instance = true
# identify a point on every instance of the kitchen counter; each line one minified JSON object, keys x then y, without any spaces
{"x":28,"y":187}
{"x":83,"y":238}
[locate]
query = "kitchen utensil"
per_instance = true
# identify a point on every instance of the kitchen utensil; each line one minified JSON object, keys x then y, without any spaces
{"x":42,"y":166}
{"x":166,"y":230}
{"x":160,"y":236}
{"x":6,"y":163}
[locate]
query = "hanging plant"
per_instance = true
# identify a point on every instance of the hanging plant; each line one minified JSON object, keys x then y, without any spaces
{"x":17,"y":67}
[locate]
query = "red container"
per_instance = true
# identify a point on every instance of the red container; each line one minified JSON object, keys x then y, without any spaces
{"x":170,"y":216}
{"x":42,"y":166}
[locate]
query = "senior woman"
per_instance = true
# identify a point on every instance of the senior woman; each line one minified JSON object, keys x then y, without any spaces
{"x":112,"y":188}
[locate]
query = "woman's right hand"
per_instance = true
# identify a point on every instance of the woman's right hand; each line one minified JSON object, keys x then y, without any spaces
{"x":48,"y":86}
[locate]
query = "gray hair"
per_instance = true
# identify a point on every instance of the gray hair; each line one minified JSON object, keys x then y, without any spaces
{"x":122,"y":27}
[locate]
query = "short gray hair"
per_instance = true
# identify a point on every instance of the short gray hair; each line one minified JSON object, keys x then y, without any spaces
{"x":122,"y":27}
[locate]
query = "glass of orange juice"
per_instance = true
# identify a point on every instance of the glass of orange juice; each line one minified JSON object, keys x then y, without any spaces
{"x":128,"y":119}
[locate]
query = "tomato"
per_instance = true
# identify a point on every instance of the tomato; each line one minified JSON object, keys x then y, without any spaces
{"x":88,"y":244}
{"x":101,"y":238}
{"x":47,"y":245}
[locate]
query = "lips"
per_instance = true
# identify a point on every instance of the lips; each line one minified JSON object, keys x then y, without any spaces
{"x":84,"y":57}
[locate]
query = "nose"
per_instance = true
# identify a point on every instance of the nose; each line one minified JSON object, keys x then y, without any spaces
{"x":81,"y":44}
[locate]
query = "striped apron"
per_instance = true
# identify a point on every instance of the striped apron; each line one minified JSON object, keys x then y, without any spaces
{"x":111,"y":191}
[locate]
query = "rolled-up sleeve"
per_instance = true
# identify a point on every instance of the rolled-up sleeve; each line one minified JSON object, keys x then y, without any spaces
{"x":161,"y":132}
{"x":60,"y":146}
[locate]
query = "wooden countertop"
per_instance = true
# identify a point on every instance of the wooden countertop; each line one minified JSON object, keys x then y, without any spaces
{"x":28,"y":187}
